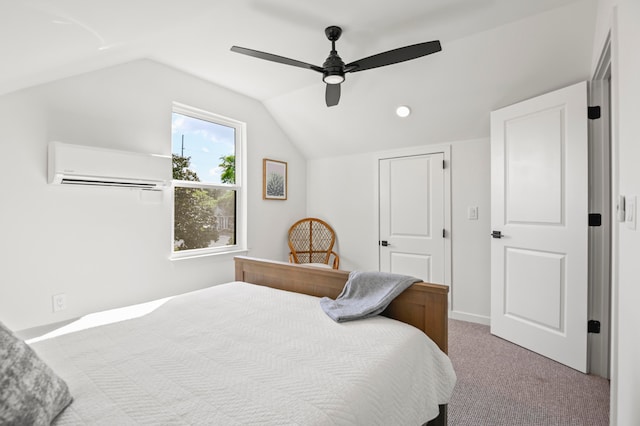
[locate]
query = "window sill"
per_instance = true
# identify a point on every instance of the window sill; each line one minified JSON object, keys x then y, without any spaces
{"x":222,"y":255}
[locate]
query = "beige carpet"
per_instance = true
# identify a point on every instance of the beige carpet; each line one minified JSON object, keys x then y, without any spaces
{"x":502,"y":384}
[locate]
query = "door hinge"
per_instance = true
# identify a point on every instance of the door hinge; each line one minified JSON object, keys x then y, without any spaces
{"x":593,"y":326}
{"x":595,"y":219}
{"x":444,"y":164}
{"x":444,"y":233}
{"x":593,"y":112}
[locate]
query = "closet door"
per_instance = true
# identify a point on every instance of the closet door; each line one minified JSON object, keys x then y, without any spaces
{"x":412,"y":216}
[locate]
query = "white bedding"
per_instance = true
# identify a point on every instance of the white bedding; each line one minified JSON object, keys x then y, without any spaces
{"x":245,"y":354}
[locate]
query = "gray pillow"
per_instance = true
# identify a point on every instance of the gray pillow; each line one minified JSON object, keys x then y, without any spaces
{"x":30,"y":392}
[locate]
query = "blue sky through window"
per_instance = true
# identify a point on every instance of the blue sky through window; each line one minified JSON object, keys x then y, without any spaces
{"x":205,"y":142}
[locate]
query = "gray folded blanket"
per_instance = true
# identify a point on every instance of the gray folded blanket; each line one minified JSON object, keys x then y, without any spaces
{"x":366,"y":294}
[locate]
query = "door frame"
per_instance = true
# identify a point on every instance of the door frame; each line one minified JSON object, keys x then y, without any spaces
{"x":412,"y":152}
{"x":601,"y":201}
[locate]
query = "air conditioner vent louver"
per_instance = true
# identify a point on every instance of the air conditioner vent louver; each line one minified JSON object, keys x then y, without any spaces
{"x":108,"y":183}
{"x":84,"y":165}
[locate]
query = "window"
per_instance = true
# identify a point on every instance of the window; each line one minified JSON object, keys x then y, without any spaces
{"x":208,"y":193}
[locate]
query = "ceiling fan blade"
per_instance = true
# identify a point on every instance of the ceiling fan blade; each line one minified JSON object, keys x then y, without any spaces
{"x":332,"y":94}
{"x":275,"y":58}
{"x":394,"y":56}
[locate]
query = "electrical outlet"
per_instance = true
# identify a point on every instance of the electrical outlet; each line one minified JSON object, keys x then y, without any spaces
{"x":59,"y":302}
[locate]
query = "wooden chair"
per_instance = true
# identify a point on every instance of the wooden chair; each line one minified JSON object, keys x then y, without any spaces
{"x":311,"y":242}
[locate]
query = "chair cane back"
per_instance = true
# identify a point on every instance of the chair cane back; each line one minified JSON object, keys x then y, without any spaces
{"x":311,"y":241}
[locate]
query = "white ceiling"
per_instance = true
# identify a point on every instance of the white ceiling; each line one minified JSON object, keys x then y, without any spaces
{"x":495,"y":52}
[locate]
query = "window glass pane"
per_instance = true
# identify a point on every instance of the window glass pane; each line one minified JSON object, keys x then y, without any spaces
{"x":204,"y":151}
{"x":204,"y":217}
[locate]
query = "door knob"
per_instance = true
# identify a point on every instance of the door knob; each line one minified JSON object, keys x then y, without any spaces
{"x":384,"y":243}
{"x":496,"y":234}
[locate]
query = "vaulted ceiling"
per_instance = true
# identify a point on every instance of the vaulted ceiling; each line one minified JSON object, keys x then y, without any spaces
{"x":494,"y":53}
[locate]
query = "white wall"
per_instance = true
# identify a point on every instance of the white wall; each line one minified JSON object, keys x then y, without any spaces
{"x":342,"y":191}
{"x":471,"y":243}
{"x":106,"y":247}
{"x":626,"y":96}
{"x":621,"y":17}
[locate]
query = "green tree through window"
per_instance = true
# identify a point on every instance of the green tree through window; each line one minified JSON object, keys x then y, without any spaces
{"x":228,"y":167}
{"x":195,"y":224}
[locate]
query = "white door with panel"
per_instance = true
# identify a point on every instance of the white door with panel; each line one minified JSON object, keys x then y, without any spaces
{"x":412,"y":216}
{"x":539,"y":218}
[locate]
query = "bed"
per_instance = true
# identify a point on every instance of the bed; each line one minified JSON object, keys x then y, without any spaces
{"x":260,"y":351}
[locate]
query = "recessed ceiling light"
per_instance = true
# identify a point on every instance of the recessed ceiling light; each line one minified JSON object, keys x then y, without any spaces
{"x":403,"y":111}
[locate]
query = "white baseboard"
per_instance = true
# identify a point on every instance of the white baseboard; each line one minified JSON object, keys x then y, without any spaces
{"x":463,"y":316}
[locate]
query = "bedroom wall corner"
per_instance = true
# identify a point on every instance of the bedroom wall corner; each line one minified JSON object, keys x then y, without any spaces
{"x":341,"y":191}
{"x":106,"y":247}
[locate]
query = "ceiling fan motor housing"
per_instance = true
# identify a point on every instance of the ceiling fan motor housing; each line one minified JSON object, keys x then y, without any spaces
{"x":333,"y":69}
{"x":333,"y":72}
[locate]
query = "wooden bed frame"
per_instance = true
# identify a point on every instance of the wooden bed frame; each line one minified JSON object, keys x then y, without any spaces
{"x":423,"y":305}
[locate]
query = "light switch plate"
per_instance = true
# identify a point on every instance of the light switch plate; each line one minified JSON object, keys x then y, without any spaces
{"x":630,"y":212}
{"x":472,"y":213}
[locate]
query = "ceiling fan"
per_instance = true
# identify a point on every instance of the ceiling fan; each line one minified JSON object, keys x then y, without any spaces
{"x":334,"y":69}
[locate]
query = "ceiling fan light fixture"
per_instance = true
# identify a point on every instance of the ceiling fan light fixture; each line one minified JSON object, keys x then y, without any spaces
{"x":403,"y":111}
{"x":333,"y":78}
{"x":333,"y":69}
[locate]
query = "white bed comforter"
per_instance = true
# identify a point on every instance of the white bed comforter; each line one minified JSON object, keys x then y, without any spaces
{"x":243,"y":354}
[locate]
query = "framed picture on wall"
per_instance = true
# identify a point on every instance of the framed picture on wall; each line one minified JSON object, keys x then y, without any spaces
{"x":274,"y":178}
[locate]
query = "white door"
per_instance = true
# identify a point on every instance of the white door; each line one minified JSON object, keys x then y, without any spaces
{"x":412,"y":216}
{"x":539,"y":202}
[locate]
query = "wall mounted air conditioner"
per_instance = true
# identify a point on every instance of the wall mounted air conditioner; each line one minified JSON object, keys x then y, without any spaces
{"x":87,"y":165}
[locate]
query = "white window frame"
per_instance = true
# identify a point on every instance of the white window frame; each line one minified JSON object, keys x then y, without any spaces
{"x":239,"y":186}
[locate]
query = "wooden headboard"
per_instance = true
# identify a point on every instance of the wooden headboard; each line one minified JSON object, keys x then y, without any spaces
{"x":422,"y":305}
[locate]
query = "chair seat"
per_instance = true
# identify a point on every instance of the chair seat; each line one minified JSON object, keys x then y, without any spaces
{"x":318,"y":265}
